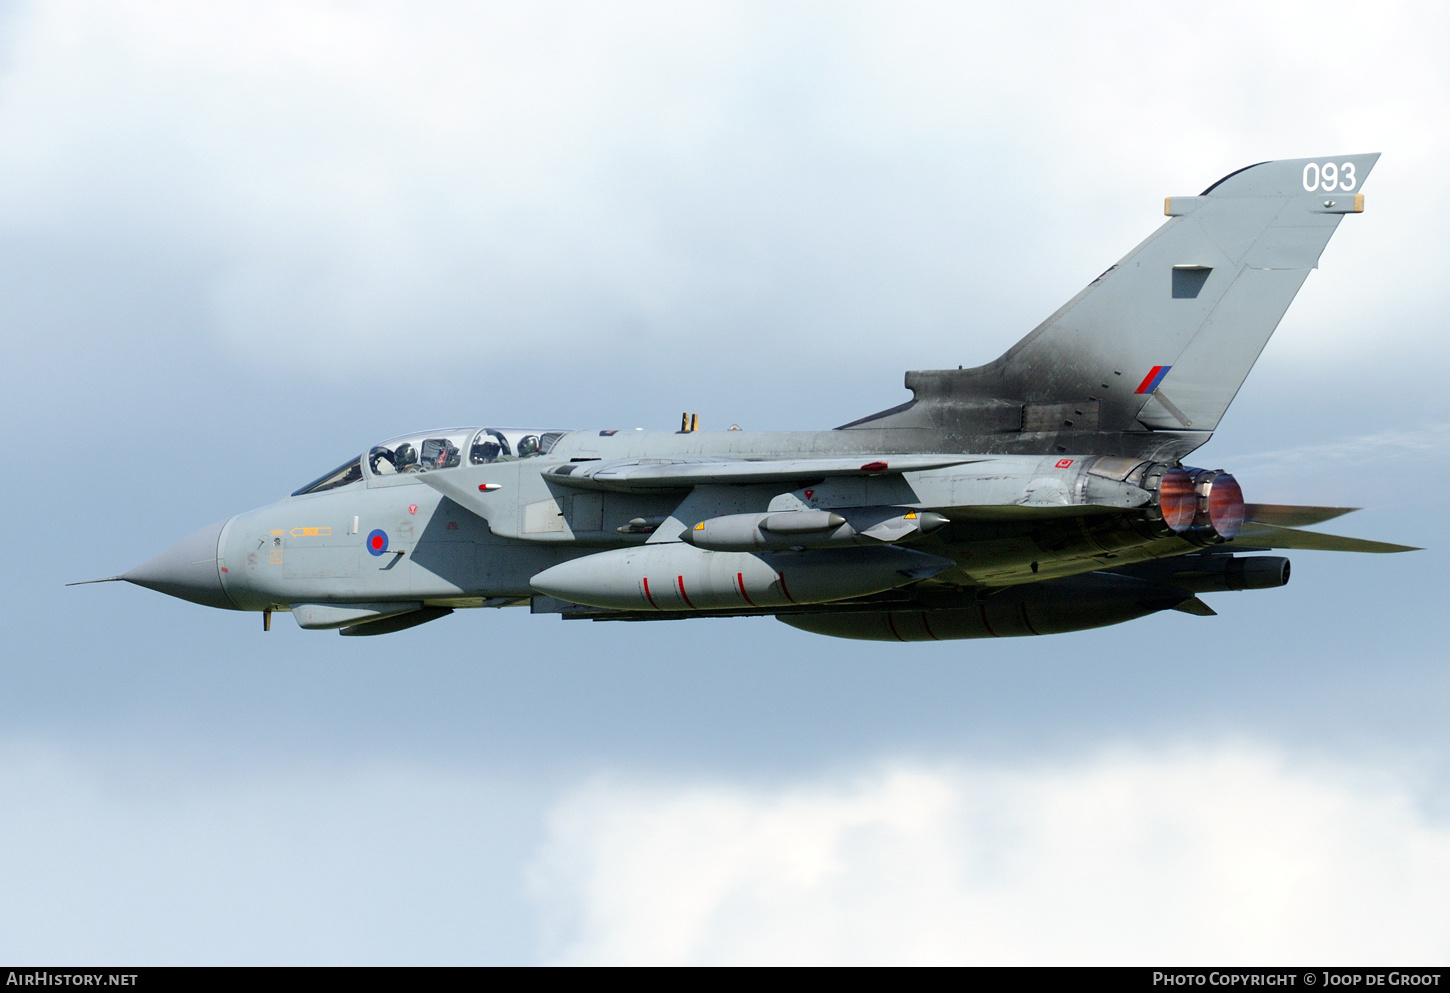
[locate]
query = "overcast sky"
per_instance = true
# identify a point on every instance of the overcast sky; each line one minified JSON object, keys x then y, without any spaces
{"x":239,"y":241}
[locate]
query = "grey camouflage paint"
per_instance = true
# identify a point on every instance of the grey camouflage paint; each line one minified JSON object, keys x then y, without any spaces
{"x":1037,"y":471}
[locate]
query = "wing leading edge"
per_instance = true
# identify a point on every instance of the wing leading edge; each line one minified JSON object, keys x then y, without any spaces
{"x":636,"y":475}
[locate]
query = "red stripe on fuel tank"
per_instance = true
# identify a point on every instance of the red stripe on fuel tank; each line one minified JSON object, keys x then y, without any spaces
{"x":928,"y":627}
{"x":985,"y":623}
{"x":740,"y":578}
{"x":891,"y":623}
{"x":781,"y":577}
{"x":1026,"y":621}
{"x":647,"y":596}
{"x":683,"y":595}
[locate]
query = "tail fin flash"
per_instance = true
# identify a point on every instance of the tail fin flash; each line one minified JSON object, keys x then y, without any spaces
{"x":1164,"y":339}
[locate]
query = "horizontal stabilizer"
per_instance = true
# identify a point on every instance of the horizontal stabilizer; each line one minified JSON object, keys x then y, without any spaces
{"x":1269,"y":536}
{"x":1287,"y":516}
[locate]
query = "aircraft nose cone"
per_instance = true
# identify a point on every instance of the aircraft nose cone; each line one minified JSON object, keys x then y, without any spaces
{"x":188,"y":569}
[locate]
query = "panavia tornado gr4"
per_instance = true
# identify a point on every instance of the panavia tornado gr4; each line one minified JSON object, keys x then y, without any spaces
{"x":1041,"y":493}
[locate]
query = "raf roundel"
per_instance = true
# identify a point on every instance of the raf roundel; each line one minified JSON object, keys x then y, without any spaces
{"x":377,"y":541}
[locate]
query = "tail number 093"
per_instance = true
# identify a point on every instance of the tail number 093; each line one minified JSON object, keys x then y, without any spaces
{"x":1329,"y":177}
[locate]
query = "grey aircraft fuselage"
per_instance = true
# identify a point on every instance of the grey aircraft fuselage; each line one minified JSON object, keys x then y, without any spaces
{"x":443,"y":552}
{"x":1043,"y":492}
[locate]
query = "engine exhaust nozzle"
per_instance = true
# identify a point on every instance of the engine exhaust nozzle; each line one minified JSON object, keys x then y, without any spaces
{"x":1178,"y":499}
{"x":1221,"y":504}
{"x":1201,"y":499}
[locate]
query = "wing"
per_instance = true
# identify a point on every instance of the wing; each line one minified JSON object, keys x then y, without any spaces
{"x":670,"y":479}
{"x":638,"y":476}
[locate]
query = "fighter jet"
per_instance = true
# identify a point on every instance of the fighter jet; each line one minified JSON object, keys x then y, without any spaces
{"x":1041,"y":493}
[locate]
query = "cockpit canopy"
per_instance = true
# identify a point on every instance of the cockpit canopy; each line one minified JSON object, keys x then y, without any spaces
{"x":419,"y":453}
{"x":502,"y":444}
{"x":434,"y":451}
{"x":348,"y":472}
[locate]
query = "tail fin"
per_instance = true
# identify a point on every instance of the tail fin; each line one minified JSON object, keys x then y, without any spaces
{"x":1164,"y":339}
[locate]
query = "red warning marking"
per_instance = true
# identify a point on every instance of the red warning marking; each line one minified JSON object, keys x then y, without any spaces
{"x":1064,"y":463}
{"x":647,"y":596}
{"x":810,"y":494}
{"x":683,"y":596}
{"x":1026,"y":620}
{"x":781,"y":577}
{"x":412,"y":508}
{"x":740,"y":579}
{"x":985,"y":623}
{"x":891,"y":623}
{"x":928,"y":627}
{"x":874,"y":467}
